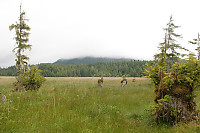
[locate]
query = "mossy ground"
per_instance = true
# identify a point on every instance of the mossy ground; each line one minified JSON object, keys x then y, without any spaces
{"x":79,"y":105}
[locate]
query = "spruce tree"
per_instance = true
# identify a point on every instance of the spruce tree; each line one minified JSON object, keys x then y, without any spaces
{"x":171,"y":41}
{"x":197,"y":42}
{"x":169,"y":48}
{"x":21,"y":38}
{"x":27,"y":79}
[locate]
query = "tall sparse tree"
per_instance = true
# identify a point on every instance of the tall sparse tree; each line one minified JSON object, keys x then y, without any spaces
{"x":197,"y":42}
{"x":171,"y":41}
{"x":22,"y":38}
{"x":27,"y":79}
{"x":168,"y":49}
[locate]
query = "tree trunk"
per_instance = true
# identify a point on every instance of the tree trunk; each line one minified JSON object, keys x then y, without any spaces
{"x":100,"y":84}
{"x":19,"y":67}
{"x":124,"y":83}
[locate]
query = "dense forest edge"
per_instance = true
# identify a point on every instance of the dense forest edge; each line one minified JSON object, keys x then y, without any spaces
{"x":89,"y":60}
{"x":108,"y":68}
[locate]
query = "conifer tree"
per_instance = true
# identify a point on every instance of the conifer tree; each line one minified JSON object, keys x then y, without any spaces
{"x":168,"y":49}
{"x":172,"y":46}
{"x":196,"y":41}
{"x":21,"y":38}
{"x":27,"y":79}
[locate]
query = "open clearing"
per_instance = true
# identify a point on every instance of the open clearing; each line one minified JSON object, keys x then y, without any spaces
{"x":68,"y":104}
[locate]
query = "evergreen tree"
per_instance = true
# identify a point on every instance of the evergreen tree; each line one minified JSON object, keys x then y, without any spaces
{"x":22,"y":38}
{"x":27,"y":79}
{"x":196,"y":41}
{"x":171,"y":41}
{"x":168,"y":49}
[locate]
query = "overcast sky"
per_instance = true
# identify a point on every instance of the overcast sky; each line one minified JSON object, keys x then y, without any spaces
{"x":105,"y":28}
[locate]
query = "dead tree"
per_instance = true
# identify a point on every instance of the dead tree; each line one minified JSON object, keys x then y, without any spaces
{"x":124,"y":81}
{"x":100,"y":82}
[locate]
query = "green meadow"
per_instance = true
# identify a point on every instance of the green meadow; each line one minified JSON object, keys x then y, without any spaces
{"x":78,"y":105}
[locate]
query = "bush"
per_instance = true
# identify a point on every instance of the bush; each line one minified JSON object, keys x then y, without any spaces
{"x":175,"y":91}
{"x":124,"y":79}
{"x":30,"y":80}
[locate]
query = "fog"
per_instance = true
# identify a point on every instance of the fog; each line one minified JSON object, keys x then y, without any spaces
{"x":106,"y":28}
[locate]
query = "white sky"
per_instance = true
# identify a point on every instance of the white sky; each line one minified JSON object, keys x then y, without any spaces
{"x":106,"y":28}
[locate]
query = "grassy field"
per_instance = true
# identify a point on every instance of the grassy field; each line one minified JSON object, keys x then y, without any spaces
{"x":78,"y":105}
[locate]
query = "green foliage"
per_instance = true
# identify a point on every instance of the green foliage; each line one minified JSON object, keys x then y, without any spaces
{"x":10,"y":71}
{"x":188,"y":73}
{"x":28,"y":79}
{"x":21,"y":38}
{"x":31,"y":80}
{"x":100,"y":80}
{"x":88,"y":60}
{"x":175,"y":81}
{"x":109,"y":69}
{"x":169,"y":48}
{"x":154,"y":72}
{"x":179,"y":84}
{"x":124,"y":79}
{"x":171,"y":42}
{"x":197,"y":42}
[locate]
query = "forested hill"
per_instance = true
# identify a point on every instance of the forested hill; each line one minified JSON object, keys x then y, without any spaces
{"x":133,"y":68}
{"x":89,"y":60}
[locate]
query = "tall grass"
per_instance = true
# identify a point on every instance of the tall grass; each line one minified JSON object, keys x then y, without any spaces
{"x":78,"y":105}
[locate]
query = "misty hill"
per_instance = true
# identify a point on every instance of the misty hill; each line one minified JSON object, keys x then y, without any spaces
{"x":89,"y":60}
{"x":133,"y":68}
{"x":88,"y":67}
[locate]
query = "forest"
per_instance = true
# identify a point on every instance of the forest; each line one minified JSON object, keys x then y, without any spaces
{"x":133,"y":68}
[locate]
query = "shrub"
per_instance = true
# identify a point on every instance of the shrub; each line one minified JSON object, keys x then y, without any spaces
{"x":30,"y":80}
{"x":124,"y":79}
{"x":100,"y":80}
{"x":175,"y":91}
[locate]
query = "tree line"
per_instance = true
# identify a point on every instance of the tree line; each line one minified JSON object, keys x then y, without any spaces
{"x":134,"y":68}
